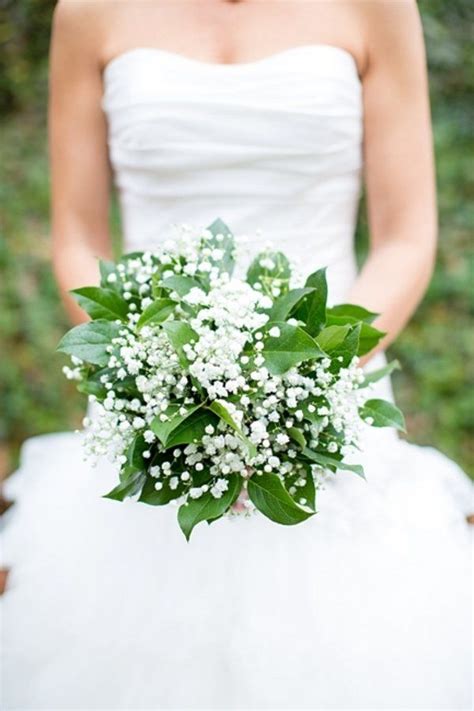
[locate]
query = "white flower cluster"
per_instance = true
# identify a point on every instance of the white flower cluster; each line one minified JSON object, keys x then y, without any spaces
{"x":264,"y":419}
{"x":143,"y":375}
{"x":225,"y":319}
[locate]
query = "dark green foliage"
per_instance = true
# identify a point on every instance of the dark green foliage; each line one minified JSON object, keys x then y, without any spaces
{"x":267,"y":492}
{"x":24,"y":40}
{"x":207,"y":508}
{"x":435,"y":386}
{"x":381,"y":413}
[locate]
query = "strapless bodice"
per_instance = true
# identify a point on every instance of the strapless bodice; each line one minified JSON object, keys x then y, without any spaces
{"x":273,"y":145}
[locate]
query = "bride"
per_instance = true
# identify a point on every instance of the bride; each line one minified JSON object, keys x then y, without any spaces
{"x":266,"y":114}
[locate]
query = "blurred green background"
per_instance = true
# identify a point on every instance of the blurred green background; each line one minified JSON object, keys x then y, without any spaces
{"x":437,"y":349}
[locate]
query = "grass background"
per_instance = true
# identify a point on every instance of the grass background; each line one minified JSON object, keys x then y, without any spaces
{"x":437,"y":349}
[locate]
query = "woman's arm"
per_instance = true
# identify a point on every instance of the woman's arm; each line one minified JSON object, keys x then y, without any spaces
{"x":399,"y":167}
{"x":78,"y":150}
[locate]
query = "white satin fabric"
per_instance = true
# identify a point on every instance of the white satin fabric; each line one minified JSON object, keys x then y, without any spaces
{"x":273,"y":145}
{"x":365,"y":606}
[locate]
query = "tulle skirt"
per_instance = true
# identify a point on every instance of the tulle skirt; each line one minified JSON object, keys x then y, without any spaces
{"x":365,"y":606}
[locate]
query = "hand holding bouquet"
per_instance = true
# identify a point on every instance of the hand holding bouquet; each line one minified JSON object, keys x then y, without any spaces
{"x":213,"y":390}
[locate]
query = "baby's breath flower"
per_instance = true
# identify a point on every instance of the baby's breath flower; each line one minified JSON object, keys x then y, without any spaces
{"x":149,"y":384}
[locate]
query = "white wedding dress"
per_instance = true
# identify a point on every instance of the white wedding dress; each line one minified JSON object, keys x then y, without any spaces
{"x":364,"y":606}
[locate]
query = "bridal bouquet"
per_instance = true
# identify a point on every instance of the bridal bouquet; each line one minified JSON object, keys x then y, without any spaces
{"x":221,"y":394}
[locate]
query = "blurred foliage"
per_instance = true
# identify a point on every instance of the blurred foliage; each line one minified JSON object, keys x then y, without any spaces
{"x":437,"y":349}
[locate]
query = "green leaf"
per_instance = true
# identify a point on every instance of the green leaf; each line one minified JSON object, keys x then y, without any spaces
{"x":92,"y":387}
{"x":307,"y":491}
{"x":351,"y":311}
{"x":383,"y":413}
{"x":332,"y":337}
{"x":368,"y":339}
{"x":349,"y":347}
{"x":157,"y":312}
{"x":328,"y":462}
{"x":270,"y":497}
{"x":164,"y":429}
{"x":130,"y":487}
{"x":226,"y":244}
{"x":219,"y":227}
{"x":279,"y":274}
{"x":180,"y":333}
{"x":90,"y":340}
{"x":180,"y":284}
{"x":126,"y":387}
{"x":283,"y":306}
{"x":135,"y":452}
{"x":106,"y":268}
{"x":93,"y":384}
{"x":207,"y":508}
{"x":312,"y":416}
{"x":200,"y":477}
{"x":291,"y":347}
{"x":101,"y":303}
{"x":297,"y":436}
{"x":192,"y":429}
{"x":158,"y":291}
{"x":138,"y":254}
{"x":223,"y":413}
{"x":313,"y":308}
{"x":152,"y":497}
{"x":376,"y":375}
{"x":128,"y":472}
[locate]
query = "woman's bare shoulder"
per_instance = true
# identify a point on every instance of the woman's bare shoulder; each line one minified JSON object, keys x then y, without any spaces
{"x":76,"y":14}
{"x":392,"y":27}
{"x":81,"y":24}
{"x":380,"y":12}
